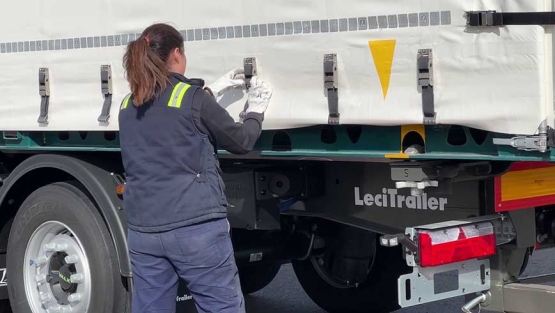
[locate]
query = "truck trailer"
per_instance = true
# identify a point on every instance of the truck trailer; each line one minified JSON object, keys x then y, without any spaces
{"x":407,"y":142}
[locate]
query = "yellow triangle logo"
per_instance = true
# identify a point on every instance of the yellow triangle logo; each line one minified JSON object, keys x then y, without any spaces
{"x":382,"y":53}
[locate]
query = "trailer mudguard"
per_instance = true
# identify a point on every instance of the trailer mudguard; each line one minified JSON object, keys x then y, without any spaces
{"x":92,"y":174}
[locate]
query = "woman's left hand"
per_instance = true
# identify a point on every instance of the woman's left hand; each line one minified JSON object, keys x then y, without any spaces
{"x":232,"y":79}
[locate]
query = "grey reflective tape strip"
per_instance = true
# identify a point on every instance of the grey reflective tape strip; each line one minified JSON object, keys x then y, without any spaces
{"x":219,"y":32}
{"x":175,"y":94}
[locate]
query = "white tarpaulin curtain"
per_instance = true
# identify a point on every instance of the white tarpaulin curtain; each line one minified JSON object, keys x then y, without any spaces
{"x":498,"y":79}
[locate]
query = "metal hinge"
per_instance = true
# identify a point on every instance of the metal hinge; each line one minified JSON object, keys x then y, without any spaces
{"x":331,"y":87}
{"x":44,"y":92}
{"x":107,"y":91}
{"x":426,"y":85}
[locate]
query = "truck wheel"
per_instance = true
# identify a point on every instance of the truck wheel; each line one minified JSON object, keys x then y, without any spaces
{"x":5,"y":306}
{"x":61,"y":256}
{"x":378,"y":294}
{"x":255,"y":278}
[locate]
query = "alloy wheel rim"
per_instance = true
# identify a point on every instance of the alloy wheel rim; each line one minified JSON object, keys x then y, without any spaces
{"x":56,"y":271}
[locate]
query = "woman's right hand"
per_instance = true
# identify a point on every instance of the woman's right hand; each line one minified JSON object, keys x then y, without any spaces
{"x":259,"y":96}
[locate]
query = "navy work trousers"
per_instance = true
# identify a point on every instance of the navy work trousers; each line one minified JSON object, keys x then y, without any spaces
{"x":201,"y":254}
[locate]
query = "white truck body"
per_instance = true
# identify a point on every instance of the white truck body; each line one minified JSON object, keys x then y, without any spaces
{"x":499,"y":80}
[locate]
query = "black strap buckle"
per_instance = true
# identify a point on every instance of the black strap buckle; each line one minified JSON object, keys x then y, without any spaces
{"x":44,"y":92}
{"x":250,"y":69}
{"x":331,"y":89}
{"x":107,"y":92}
{"x":426,"y":85}
{"x":484,"y":18}
{"x":249,"y":66}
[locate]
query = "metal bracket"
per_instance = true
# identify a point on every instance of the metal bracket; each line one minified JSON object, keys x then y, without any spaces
{"x":107,"y":91}
{"x":249,"y":65}
{"x":412,"y":257}
{"x":331,"y":87}
{"x":505,"y":230}
{"x":525,"y":143}
{"x":399,"y":239}
{"x":415,"y":176}
{"x":10,"y":135}
{"x":541,"y":142}
{"x":44,"y":92}
{"x":426,"y":84}
{"x":416,"y":188}
{"x":418,"y":287}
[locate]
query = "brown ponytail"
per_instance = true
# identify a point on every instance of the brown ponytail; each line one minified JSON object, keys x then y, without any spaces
{"x":146,"y":61}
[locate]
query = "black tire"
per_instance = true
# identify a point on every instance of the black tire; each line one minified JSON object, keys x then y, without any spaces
{"x":378,"y":294}
{"x":5,"y":306}
{"x":255,"y":278}
{"x":66,"y":203}
{"x":526,"y":261}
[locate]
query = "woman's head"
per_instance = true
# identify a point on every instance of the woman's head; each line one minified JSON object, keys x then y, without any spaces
{"x":151,"y":58}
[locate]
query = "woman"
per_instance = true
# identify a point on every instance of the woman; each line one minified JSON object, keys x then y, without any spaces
{"x":174,"y":197}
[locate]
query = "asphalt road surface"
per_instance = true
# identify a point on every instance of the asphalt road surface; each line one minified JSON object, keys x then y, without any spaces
{"x":284,"y":294}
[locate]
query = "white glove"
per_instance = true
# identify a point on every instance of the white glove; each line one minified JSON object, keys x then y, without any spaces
{"x":259,"y":96}
{"x":232,"y":79}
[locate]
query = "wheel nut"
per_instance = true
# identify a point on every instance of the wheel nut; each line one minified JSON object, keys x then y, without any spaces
{"x":54,"y":309}
{"x":50,"y":247}
{"x":74,"y":297}
{"x":76,"y":278}
{"x":40,"y":279}
{"x":45,"y":297}
{"x":61,"y":247}
{"x":41,"y":260}
{"x":58,"y":247}
{"x":71,"y":259}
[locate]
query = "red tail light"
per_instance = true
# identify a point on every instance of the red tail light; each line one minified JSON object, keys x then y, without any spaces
{"x":457,"y":244}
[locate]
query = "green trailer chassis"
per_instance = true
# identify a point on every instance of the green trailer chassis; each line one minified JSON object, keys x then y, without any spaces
{"x":352,"y":143}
